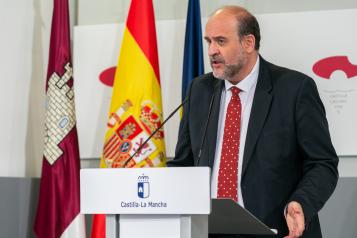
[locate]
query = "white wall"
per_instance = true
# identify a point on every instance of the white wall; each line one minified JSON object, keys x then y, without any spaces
{"x":24,"y":46}
{"x":115,"y":11}
{"x":22,"y":73}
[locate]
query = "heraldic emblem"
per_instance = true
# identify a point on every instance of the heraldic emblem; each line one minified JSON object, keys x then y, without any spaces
{"x":129,"y":132}
{"x":60,"y":117}
{"x":143,"y":186}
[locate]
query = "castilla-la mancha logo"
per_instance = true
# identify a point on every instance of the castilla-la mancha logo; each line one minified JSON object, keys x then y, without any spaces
{"x":143,"y":186}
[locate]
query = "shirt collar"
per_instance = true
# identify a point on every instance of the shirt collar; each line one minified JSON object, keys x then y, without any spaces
{"x":247,"y":83}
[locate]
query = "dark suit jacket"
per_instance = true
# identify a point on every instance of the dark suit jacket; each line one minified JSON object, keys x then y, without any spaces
{"x":288,"y":155}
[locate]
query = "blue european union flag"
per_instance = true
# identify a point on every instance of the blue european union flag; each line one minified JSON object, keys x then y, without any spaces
{"x":193,"y":65}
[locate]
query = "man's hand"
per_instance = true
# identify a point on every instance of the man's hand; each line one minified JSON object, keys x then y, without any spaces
{"x":295,"y":220}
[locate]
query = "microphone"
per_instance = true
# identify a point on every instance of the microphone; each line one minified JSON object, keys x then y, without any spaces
{"x":157,"y":129}
{"x":205,"y":130}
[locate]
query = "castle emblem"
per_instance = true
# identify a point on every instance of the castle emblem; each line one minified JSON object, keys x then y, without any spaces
{"x":60,"y":117}
{"x":143,"y":186}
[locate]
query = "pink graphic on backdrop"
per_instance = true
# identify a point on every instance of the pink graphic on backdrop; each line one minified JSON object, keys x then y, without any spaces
{"x":106,"y":77}
{"x":327,"y":66}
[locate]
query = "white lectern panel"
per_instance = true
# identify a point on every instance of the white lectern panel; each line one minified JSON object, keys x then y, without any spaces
{"x":145,"y":191}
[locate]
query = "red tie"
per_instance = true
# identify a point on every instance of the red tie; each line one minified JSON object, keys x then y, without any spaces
{"x":228,"y":169}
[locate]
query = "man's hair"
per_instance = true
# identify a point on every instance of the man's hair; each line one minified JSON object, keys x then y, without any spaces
{"x":247,"y":23}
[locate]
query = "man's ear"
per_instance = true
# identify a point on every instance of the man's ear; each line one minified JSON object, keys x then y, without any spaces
{"x":249,"y":43}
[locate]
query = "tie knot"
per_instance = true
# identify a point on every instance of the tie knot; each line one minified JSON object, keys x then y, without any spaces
{"x":235,"y":91}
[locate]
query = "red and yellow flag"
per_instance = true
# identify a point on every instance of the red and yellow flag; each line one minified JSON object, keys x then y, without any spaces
{"x":136,"y":107}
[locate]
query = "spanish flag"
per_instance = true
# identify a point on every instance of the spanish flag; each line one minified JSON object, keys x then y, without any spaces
{"x":136,"y":107}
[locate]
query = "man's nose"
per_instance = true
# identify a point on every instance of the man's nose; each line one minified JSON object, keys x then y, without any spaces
{"x":213,"y":49}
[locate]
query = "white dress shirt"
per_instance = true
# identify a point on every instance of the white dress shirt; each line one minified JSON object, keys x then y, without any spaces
{"x":247,"y":87}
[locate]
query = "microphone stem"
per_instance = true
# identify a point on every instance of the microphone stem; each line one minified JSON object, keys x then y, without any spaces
{"x":205,"y":131}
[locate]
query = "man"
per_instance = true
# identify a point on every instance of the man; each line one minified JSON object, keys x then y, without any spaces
{"x":261,"y":128}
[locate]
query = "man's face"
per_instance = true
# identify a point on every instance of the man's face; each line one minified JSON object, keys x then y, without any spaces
{"x":227,"y":55}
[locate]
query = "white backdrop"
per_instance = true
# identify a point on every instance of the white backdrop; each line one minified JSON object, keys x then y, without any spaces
{"x":294,"y":40}
{"x":298,"y":41}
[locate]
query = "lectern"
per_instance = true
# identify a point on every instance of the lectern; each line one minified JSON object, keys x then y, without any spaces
{"x":162,"y":203}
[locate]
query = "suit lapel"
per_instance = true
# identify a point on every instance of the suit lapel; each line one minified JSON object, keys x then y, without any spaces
{"x":260,"y":108}
{"x":213,"y":123}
